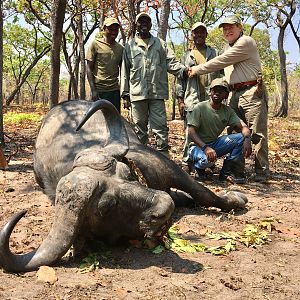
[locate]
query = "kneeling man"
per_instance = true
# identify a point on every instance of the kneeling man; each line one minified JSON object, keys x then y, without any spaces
{"x":205,"y":124}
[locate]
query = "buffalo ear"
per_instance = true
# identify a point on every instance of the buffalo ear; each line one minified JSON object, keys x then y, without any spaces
{"x":106,"y":204}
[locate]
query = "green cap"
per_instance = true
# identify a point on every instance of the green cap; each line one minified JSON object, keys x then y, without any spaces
{"x":219,"y":82}
{"x":199,"y":24}
{"x":110,"y":21}
{"x":231,"y":20}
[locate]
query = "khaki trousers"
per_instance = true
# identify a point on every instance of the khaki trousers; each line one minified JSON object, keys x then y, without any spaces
{"x":253,"y":110}
{"x":151,"y":113}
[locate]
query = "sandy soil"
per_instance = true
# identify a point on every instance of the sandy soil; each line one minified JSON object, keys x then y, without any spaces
{"x":270,"y":271}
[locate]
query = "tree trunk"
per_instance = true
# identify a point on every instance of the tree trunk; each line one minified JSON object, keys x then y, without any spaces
{"x":282,"y":109}
{"x":57,"y":21}
{"x":164,"y":17}
{"x":68,"y":58}
{"x":1,"y":76}
{"x":81,"y":51}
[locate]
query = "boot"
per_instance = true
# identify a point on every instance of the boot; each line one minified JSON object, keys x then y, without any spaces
{"x":233,"y":170}
{"x":200,"y":174}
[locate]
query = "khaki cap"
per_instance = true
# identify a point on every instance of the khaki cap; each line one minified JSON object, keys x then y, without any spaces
{"x":219,"y":82}
{"x":231,"y":20}
{"x":110,"y":21}
{"x":199,"y":24}
{"x":142,"y":14}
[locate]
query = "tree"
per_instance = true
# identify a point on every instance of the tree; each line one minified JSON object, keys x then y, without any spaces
{"x":164,"y":18}
{"x":283,"y":19}
{"x":57,"y":20}
{"x":38,"y":82}
{"x":23,"y":50}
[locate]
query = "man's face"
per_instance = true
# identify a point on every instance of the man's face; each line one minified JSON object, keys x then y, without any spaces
{"x":199,"y":36}
{"x":231,"y":32}
{"x":111,"y":32}
{"x":218,"y":94}
{"x":143,"y":25}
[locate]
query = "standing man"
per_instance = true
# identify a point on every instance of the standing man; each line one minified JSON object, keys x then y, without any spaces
{"x":242,"y":67}
{"x":190,"y":91}
{"x":144,"y":81}
{"x":205,"y":124}
{"x":104,"y":57}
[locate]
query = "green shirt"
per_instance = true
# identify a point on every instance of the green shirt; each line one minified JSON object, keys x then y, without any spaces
{"x":107,"y":61}
{"x":209,"y":122}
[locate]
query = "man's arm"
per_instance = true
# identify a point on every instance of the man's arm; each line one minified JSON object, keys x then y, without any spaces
{"x":91,"y":78}
{"x":174,"y":66}
{"x":209,"y":152}
{"x":237,"y":53}
{"x":243,"y":128}
{"x":124,"y":75}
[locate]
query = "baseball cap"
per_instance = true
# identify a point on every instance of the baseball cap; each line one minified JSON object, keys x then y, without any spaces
{"x":198,"y":24}
{"x":231,"y":20}
{"x":110,"y":21}
{"x":142,"y":14}
{"x":219,"y":82}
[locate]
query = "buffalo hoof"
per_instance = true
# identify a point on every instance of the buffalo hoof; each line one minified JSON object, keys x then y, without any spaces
{"x":233,"y":200}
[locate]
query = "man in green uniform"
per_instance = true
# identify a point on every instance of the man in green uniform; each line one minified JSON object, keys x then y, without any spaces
{"x":190,"y":91}
{"x":241,"y":63}
{"x":104,"y":57}
{"x":205,"y":124}
{"x":144,"y":81}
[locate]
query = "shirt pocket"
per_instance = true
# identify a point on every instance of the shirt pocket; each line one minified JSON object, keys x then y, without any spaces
{"x":136,"y":59}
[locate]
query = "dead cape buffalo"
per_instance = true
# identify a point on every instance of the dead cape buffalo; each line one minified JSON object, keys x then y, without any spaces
{"x":84,"y":173}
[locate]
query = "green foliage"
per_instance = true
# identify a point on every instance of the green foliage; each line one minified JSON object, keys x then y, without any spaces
{"x":89,"y":263}
{"x":17,"y":118}
{"x":21,"y":46}
{"x":251,"y":236}
{"x":215,"y":39}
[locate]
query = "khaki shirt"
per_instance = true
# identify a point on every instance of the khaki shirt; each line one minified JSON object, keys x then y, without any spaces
{"x":145,"y":67}
{"x":107,"y":61}
{"x":241,"y":61}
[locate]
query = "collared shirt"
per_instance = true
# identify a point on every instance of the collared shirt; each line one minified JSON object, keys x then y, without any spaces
{"x":144,"y":69}
{"x":189,"y":88}
{"x":107,"y":62}
{"x":240,"y":61}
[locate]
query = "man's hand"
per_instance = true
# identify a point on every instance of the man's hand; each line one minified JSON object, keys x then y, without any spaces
{"x":247,"y":148}
{"x":181,"y":107}
{"x":210,"y":154}
{"x":126,"y":102}
{"x":192,"y":71}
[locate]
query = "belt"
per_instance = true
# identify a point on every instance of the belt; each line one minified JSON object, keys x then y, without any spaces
{"x":242,"y":85}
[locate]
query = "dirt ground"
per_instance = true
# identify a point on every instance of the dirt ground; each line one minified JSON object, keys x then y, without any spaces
{"x":268,"y":271}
